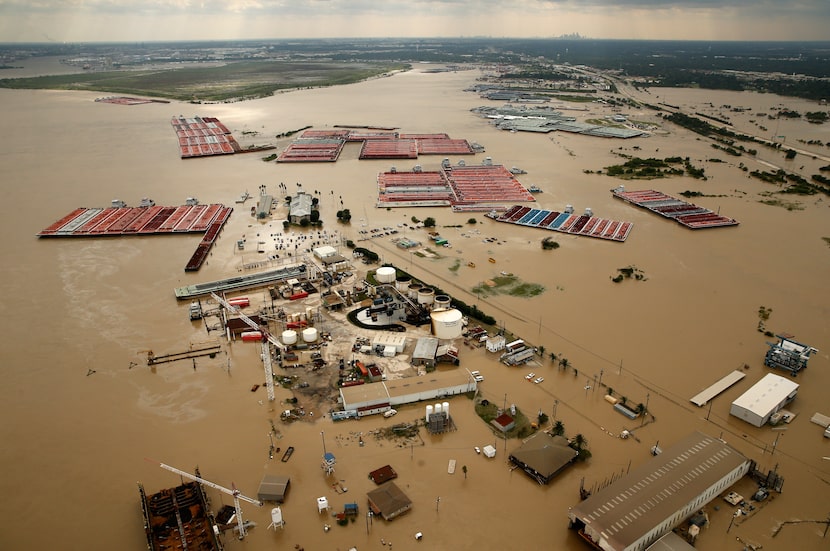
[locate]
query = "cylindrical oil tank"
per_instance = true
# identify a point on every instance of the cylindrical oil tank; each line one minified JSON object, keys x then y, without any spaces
{"x":385,"y":274}
{"x":309,"y":313}
{"x":289,"y":336}
{"x":425,"y":295}
{"x":402,"y":284}
{"x":446,"y":407}
{"x":447,"y":324}
{"x":413,"y":290}
{"x":437,"y":407}
{"x":429,"y":412}
{"x":442,"y":302}
{"x":310,"y":334}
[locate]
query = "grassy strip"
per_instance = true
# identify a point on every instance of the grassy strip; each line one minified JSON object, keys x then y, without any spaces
{"x":248,"y":79}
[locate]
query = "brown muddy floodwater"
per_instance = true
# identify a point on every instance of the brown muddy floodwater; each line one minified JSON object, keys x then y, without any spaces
{"x":82,"y":411}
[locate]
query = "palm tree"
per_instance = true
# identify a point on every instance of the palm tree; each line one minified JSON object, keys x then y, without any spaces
{"x":553,"y":357}
{"x":464,"y":470}
{"x":564,"y":363}
{"x":579,"y":441}
{"x":542,"y":351}
{"x":558,"y":428}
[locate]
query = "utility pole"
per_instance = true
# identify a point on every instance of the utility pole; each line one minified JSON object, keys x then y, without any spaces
{"x":437,"y":503}
{"x":555,"y":403}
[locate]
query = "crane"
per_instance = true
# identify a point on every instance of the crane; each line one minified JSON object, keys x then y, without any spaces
{"x":237,"y":495}
{"x":266,"y":352}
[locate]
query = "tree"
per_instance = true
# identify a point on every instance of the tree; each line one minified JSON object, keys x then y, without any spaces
{"x":541,"y":350}
{"x":558,"y":428}
{"x":472,"y":221}
{"x":553,"y":357}
{"x":464,"y":470}
{"x":579,"y":442}
{"x":564,"y":363}
{"x":429,"y":222}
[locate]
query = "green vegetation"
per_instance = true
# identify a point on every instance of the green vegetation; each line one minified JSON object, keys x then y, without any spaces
{"x":472,"y":221}
{"x":763,"y":316}
{"x":240,"y":80}
{"x":630,"y":272}
{"x":549,"y":243}
{"x":344,"y":216}
{"x":793,"y":183}
{"x":816,"y":117}
{"x":429,"y":222}
{"x":508,"y":285}
{"x":636,"y":168}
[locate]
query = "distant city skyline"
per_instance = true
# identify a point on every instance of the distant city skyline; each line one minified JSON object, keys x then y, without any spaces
{"x":165,"y":20}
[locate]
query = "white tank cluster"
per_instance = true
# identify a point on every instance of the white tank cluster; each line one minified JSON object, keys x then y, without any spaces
{"x":310,"y":334}
{"x":447,"y":324}
{"x":437,"y":408}
{"x":385,"y":274}
{"x":289,"y":336}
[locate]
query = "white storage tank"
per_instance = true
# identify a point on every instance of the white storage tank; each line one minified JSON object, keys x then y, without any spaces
{"x":402,"y":284}
{"x":310,"y":334}
{"x":413,"y":290}
{"x":437,"y":407}
{"x":429,"y":412}
{"x":446,"y":408}
{"x":442,"y":302}
{"x":447,"y":324}
{"x":425,"y":295}
{"x":289,"y":336}
{"x":385,"y":274}
{"x":309,"y":313}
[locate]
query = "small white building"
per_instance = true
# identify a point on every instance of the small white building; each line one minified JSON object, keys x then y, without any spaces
{"x":384,"y":339}
{"x":767,"y":396}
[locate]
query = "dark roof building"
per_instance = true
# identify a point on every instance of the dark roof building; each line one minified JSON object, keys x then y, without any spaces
{"x":388,"y":501}
{"x":273,"y":488}
{"x":543,"y":456}
{"x":639,"y":508}
{"x":503,"y":422}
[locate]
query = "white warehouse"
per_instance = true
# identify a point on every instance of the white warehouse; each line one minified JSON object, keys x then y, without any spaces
{"x":767,"y":396}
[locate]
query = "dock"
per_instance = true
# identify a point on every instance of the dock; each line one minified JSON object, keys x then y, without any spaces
{"x":248,"y":281}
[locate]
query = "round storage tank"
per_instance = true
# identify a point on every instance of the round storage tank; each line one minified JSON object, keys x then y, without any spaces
{"x":446,"y":406}
{"x":310,"y":334}
{"x":289,"y":336}
{"x":402,"y":284}
{"x":413,"y":290}
{"x":429,"y":412}
{"x":447,"y":324}
{"x":442,"y":302}
{"x":309,"y":313}
{"x":437,"y":407}
{"x":385,"y":274}
{"x":425,"y":295}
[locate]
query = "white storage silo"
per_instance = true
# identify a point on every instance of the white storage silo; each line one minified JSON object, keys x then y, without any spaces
{"x":429,"y":413}
{"x":413,"y":290}
{"x":447,"y":324}
{"x":425,"y":295}
{"x":402,"y":284}
{"x":309,"y":313}
{"x":442,"y":302}
{"x":310,"y":334}
{"x":385,"y":274}
{"x":446,"y":408}
{"x":289,"y":336}
{"x":437,"y":407}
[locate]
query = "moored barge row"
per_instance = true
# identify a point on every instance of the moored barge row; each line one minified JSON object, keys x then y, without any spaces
{"x":684,"y":213}
{"x":203,"y":136}
{"x":149,"y":220}
{"x":566,"y":221}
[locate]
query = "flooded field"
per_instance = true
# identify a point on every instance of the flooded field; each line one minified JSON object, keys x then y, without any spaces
{"x":86,"y":418}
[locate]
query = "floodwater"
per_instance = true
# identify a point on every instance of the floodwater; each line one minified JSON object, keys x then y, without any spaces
{"x":85,"y":418}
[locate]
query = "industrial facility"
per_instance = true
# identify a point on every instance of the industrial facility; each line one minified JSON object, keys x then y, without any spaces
{"x":788,"y":355}
{"x":639,"y":508}
{"x":758,"y":404}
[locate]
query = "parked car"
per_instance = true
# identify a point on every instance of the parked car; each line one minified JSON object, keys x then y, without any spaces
{"x":530,"y":376}
{"x":539,"y":380}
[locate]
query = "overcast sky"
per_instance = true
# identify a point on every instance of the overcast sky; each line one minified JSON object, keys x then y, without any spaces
{"x":150,"y":20}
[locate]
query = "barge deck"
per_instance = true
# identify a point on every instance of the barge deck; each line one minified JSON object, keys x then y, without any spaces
{"x":682,"y":212}
{"x":154,"y":220}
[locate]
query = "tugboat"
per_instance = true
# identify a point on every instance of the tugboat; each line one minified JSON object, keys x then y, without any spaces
{"x":534,"y":189}
{"x":517,"y":170}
